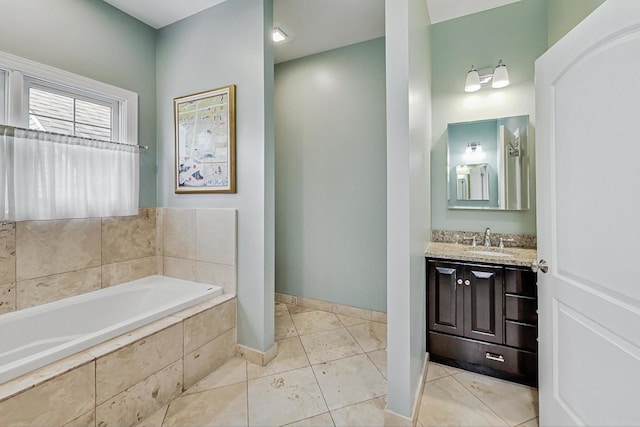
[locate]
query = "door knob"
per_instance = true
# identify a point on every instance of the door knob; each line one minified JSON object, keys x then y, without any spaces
{"x":459,"y":281}
{"x":540,"y":265}
{"x":467,"y":282}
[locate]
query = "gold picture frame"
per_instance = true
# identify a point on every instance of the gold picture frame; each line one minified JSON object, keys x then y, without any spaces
{"x":205,"y":138}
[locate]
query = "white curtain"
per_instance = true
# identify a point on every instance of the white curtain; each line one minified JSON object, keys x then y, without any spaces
{"x":49,"y":176}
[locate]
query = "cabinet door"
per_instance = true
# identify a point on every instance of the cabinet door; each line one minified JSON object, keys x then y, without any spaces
{"x":483,"y":304}
{"x":445,"y":297}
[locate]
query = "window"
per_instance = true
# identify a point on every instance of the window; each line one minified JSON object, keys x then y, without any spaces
{"x":40,"y":97}
{"x":53,"y":109}
{"x":56,"y":156}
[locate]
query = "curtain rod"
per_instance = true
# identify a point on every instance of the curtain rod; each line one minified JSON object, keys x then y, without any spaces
{"x":142,"y":147}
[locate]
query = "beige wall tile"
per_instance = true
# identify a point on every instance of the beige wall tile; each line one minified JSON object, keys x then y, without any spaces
{"x":44,"y":248}
{"x":216,"y":236}
{"x":379,"y":316}
{"x":180,"y":233}
{"x":55,"y":402}
{"x":142,"y":399}
{"x":203,"y":361}
{"x":7,"y":298}
{"x":51,"y":288}
{"x":85,"y":420}
{"x":200,"y":307}
{"x":126,"y":271}
{"x":360,"y":313}
{"x":123,"y":368}
{"x":180,"y":268}
{"x":287,"y":299}
{"x":218,"y":274}
{"x":159,"y":265}
{"x":129,"y":237}
{"x":160,"y":231}
{"x":208,"y":325}
{"x":314,"y":304}
{"x":8,"y":252}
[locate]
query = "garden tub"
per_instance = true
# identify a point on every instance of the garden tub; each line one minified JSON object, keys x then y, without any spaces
{"x":36,"y":336}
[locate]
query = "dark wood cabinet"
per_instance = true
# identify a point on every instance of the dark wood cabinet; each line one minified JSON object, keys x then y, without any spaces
{"x":483,"y":318}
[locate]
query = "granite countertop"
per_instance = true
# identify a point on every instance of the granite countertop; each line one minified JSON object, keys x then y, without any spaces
{"x":459,"y":252}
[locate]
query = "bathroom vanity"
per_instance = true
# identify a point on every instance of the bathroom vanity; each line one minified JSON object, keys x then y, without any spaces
{"x":482,"y":310}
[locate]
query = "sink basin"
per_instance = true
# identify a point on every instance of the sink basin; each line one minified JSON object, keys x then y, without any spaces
{"x":490,"y":253}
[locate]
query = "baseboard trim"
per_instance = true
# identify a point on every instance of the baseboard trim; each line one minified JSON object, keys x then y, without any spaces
{"x":393,"y":419}
{"x":332,"y":307}
{"x":257,"y":357}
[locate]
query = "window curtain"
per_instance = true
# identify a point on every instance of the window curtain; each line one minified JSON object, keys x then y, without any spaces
{"x":50,"y":176}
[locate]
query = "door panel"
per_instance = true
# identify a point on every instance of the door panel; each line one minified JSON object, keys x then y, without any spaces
{"x":445,"y":305}
{"x":588,"y":203}
{"x":483,"y":304}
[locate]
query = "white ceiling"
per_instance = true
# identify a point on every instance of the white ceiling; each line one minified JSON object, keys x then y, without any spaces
{"x":313,"y":25}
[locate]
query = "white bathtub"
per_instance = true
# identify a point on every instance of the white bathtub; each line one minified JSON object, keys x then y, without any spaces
{"x":36,"y":336}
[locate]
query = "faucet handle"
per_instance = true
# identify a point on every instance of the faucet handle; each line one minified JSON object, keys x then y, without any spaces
{"x":502,"y":240}
{"x":473,"y":239}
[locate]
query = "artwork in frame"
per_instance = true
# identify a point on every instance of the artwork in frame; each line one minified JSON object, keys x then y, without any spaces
{"x":205,"y":141}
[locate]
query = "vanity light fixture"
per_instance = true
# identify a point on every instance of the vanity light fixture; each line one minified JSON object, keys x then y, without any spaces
{"x":474,"y":148}
{"x":278,"y":35}
{"x":498,"y":77}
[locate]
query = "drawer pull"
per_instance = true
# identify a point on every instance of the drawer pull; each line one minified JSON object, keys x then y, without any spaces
{"x":459,"y":281}
{"x":467,"y":282}
{"x":494,"y":357}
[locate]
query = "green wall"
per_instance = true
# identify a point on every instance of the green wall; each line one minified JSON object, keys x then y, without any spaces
{"x":331,"y":176}
{"x":229,"y":44}
{"x":94,"y":40}
{"x":563,"y":15}
{"x":517,"y":34}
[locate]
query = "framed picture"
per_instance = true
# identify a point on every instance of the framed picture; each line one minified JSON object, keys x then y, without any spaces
{"x":205,"y":141}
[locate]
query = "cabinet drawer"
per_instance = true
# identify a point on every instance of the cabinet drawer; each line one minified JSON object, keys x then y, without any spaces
{"x":486,"y":358}
{"x":521,"y":309}
{"x":520,"y":282}
{"x":521,"y":335}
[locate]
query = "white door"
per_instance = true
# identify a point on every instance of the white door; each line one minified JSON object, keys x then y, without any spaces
{"x":588,"y":156}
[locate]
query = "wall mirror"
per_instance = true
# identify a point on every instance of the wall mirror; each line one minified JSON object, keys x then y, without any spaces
{"x":488,"y":164}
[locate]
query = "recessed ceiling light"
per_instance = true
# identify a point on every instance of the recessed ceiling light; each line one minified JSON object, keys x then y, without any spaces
{"x":278,"y":35}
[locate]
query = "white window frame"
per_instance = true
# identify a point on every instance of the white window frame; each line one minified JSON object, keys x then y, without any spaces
{"x":20,"y":71}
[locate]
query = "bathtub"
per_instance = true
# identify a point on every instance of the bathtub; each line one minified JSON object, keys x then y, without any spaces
{"x":36,"y":336}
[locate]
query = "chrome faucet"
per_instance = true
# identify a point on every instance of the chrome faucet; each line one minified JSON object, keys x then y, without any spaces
{"x":487,"y":239}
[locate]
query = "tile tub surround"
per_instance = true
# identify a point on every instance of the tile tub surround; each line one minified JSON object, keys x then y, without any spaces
{"x":128,"y":378}
{"x":524,"y":241}
{"x":198,"y":245}
{"x":339,"y":309}
{"x":459,"y":252}
{"x":43,"y":261}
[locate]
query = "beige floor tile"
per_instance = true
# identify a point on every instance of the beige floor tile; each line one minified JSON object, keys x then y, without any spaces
{"x":224,"y":406}
{"x":350,"y":380}
{"x":322,"y":420}
{"x":531,"y":423}
{"x":232,"y":372}
{"x":284,"y":398}
{"x":315,"y":321}
{"x":284,"y":327}
{"x":514,"y":403}
{"x":379,"y":358}
{"x":156,"y":419}
{"x":281,"y":307}
{"x":371,"y":335}
{"x":435,"y":371}
{"x":365,"y":414}
{"x":350,"y":321}
{"x":290,"y":356}
{"x":295,"y":309}
{"x":451,"y":370}
{"x":445,"y":402}
{"x":330,"y":345}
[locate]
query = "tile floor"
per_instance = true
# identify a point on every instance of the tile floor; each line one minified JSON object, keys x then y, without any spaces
{"x":331,"y":371}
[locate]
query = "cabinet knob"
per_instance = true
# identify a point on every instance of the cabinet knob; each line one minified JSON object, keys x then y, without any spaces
{"x":459,"y":281}
{"x":467,"y":282}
